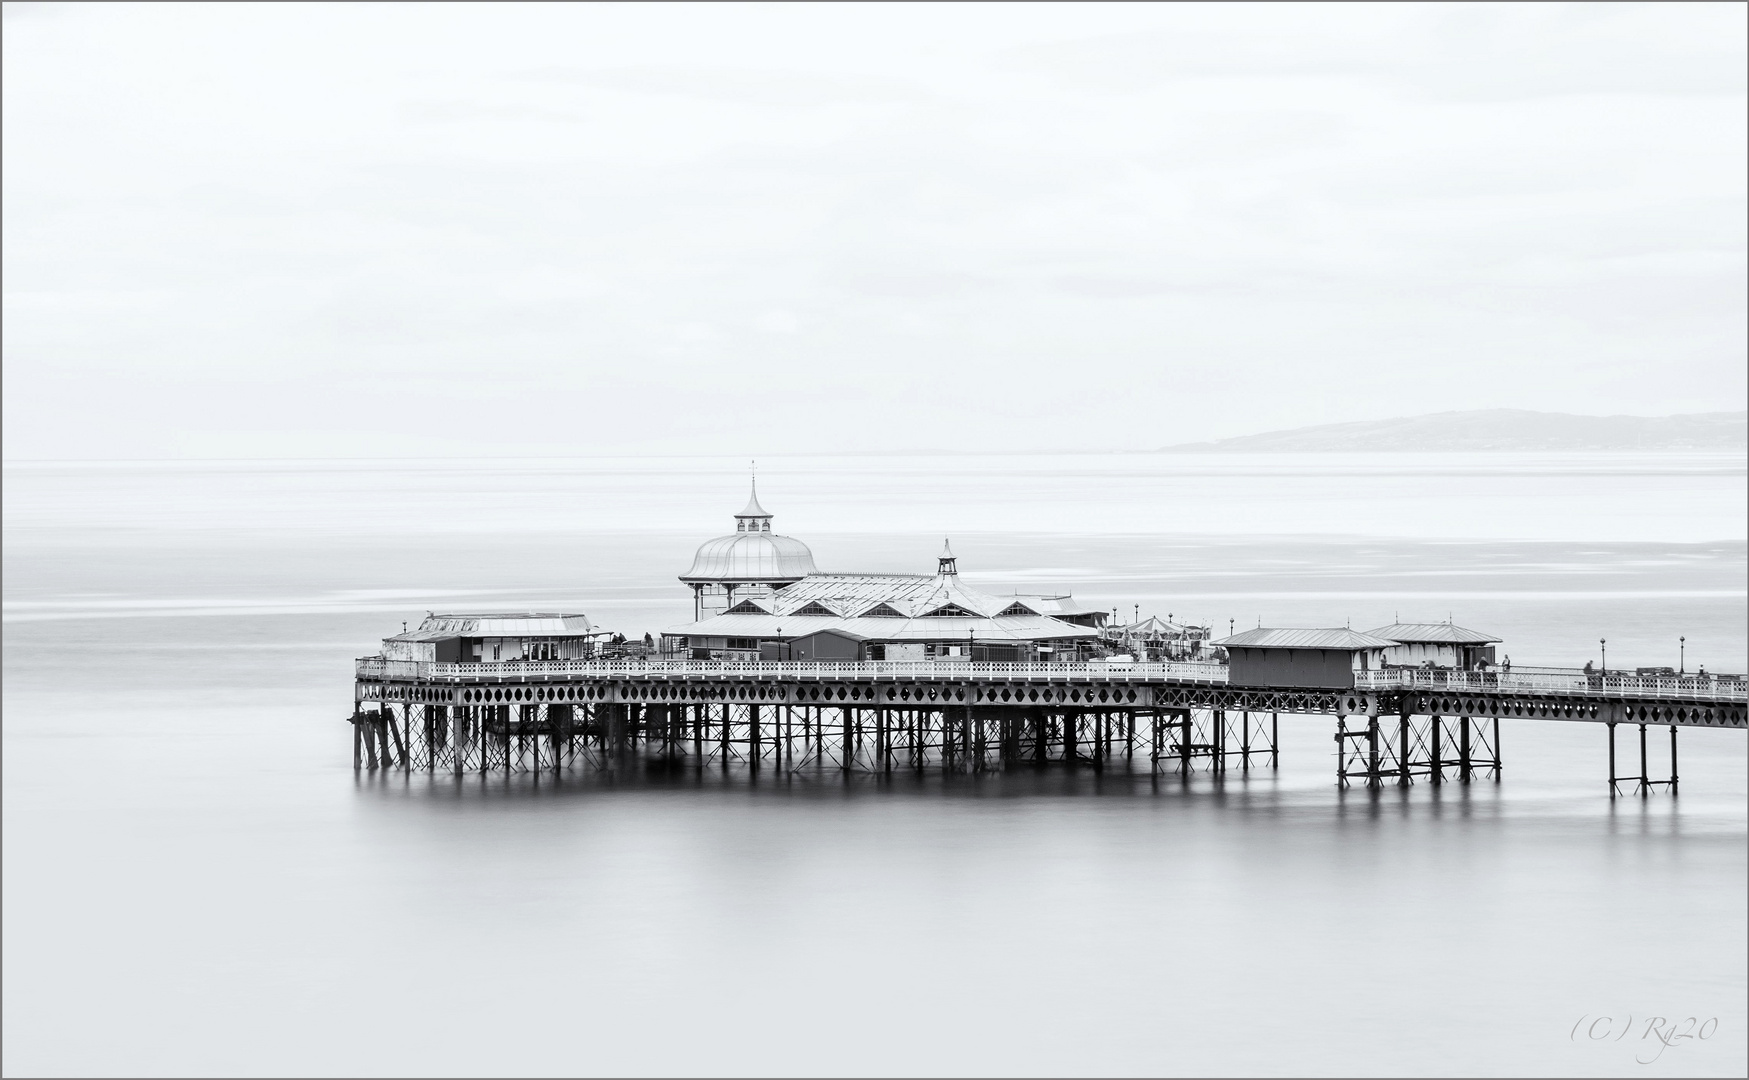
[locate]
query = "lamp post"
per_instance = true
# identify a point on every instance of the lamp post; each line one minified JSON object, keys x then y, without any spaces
{"x":1603,"y":650}
{"x":782,"y":654}
{"x":1682,"y":655}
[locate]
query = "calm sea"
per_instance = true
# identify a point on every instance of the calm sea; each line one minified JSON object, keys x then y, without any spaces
{"x":197,"y":882}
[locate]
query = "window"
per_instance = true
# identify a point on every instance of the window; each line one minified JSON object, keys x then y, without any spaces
{"x":745,"y":643}
{"x":747,"y":607}
{"x":950,"y":611}
{"x":813,"y":607}
{"x":1016,"y":609}
{"x":882,"y":611}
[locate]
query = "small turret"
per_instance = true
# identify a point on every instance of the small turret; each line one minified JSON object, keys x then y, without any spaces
{"x":947,"y":564}
{"x":753,"y":518}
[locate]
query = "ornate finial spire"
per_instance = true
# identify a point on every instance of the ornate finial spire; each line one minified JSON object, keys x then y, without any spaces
{"x":753,"y":518}
{"x":947,"y":564}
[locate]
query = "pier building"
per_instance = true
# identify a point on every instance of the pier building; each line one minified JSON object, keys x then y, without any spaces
{"x":1439,"y":645}
{"x":1302,"y":657}
{"x":501,"y":638}
{"x":757,"y":596}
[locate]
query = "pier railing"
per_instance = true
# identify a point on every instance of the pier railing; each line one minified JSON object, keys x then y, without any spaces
{"x":1522,"y":681}
{"x":379,"y":668}
{"x":1557,"y":681}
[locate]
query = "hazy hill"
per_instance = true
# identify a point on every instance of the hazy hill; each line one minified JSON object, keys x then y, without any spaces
{"x":1501,"y":429}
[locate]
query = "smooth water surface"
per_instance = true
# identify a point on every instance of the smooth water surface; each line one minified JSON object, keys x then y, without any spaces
{"x":197,"y":882}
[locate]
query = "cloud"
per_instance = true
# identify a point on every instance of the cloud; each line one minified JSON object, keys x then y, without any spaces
{"x":1481,"y":53}
{"x":778,"y":321}
{"x":251,"y":222}
{"x":455,"y":112}
{"x":746,"y":87}
{"x":1111,"y":287}
{"x":911,"y":284}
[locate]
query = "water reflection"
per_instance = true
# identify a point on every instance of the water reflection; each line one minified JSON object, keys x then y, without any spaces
{"x":197,"y":882}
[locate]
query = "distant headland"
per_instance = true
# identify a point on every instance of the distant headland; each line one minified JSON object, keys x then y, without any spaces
{"x":1498,"y":429}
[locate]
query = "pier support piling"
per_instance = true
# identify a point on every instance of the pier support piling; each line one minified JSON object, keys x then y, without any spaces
{"x":1643,"y":783}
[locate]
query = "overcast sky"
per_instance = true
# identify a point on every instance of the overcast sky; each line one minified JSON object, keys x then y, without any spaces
{"x":398,"y":230}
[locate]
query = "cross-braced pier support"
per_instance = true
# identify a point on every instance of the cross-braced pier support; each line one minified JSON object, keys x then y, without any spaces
{"x":788,"y":738}
{"x":1216,"y":737}
{"x":1380,"y":750}
{"x":1643,"y":783}
{"x":535,"y":736}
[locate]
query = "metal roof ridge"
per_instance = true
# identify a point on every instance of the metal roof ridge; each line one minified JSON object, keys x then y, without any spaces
{"x":1304,"y":637}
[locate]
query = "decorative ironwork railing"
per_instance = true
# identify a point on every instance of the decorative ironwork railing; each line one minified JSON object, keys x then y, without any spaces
{"x":378,"y":668}
{"x":1517,"y":681}
{"x":1557,"y":681}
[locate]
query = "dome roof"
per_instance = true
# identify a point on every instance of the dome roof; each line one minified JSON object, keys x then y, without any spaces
{"x":752,"y":553}
{"x":750,"y":556}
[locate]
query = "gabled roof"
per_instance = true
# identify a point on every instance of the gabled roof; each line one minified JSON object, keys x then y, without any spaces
{"x":950,"y":611}
{"x":1304,"y":638}
{"x":1057,"y":605}
{"x":837,"y":631}
{"x":532,"y":624}
{"x":1154,"y":626}
{"x":914,"y":607}
{"x":853,"y":592}
{"x":1431,"y":633}
{"x":910,"y":595}
{"x":1012,"y":628}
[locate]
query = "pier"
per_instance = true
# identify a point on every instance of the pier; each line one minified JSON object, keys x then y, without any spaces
{"x":784,"y":667}
{"x":1396,"y":727}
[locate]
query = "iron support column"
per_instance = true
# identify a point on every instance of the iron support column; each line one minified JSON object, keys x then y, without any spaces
{"x":1612,"y":788}
{"x":1645,"y":788}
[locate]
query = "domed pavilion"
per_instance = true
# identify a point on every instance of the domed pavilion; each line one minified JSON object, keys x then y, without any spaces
{"x":751,"y":561}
